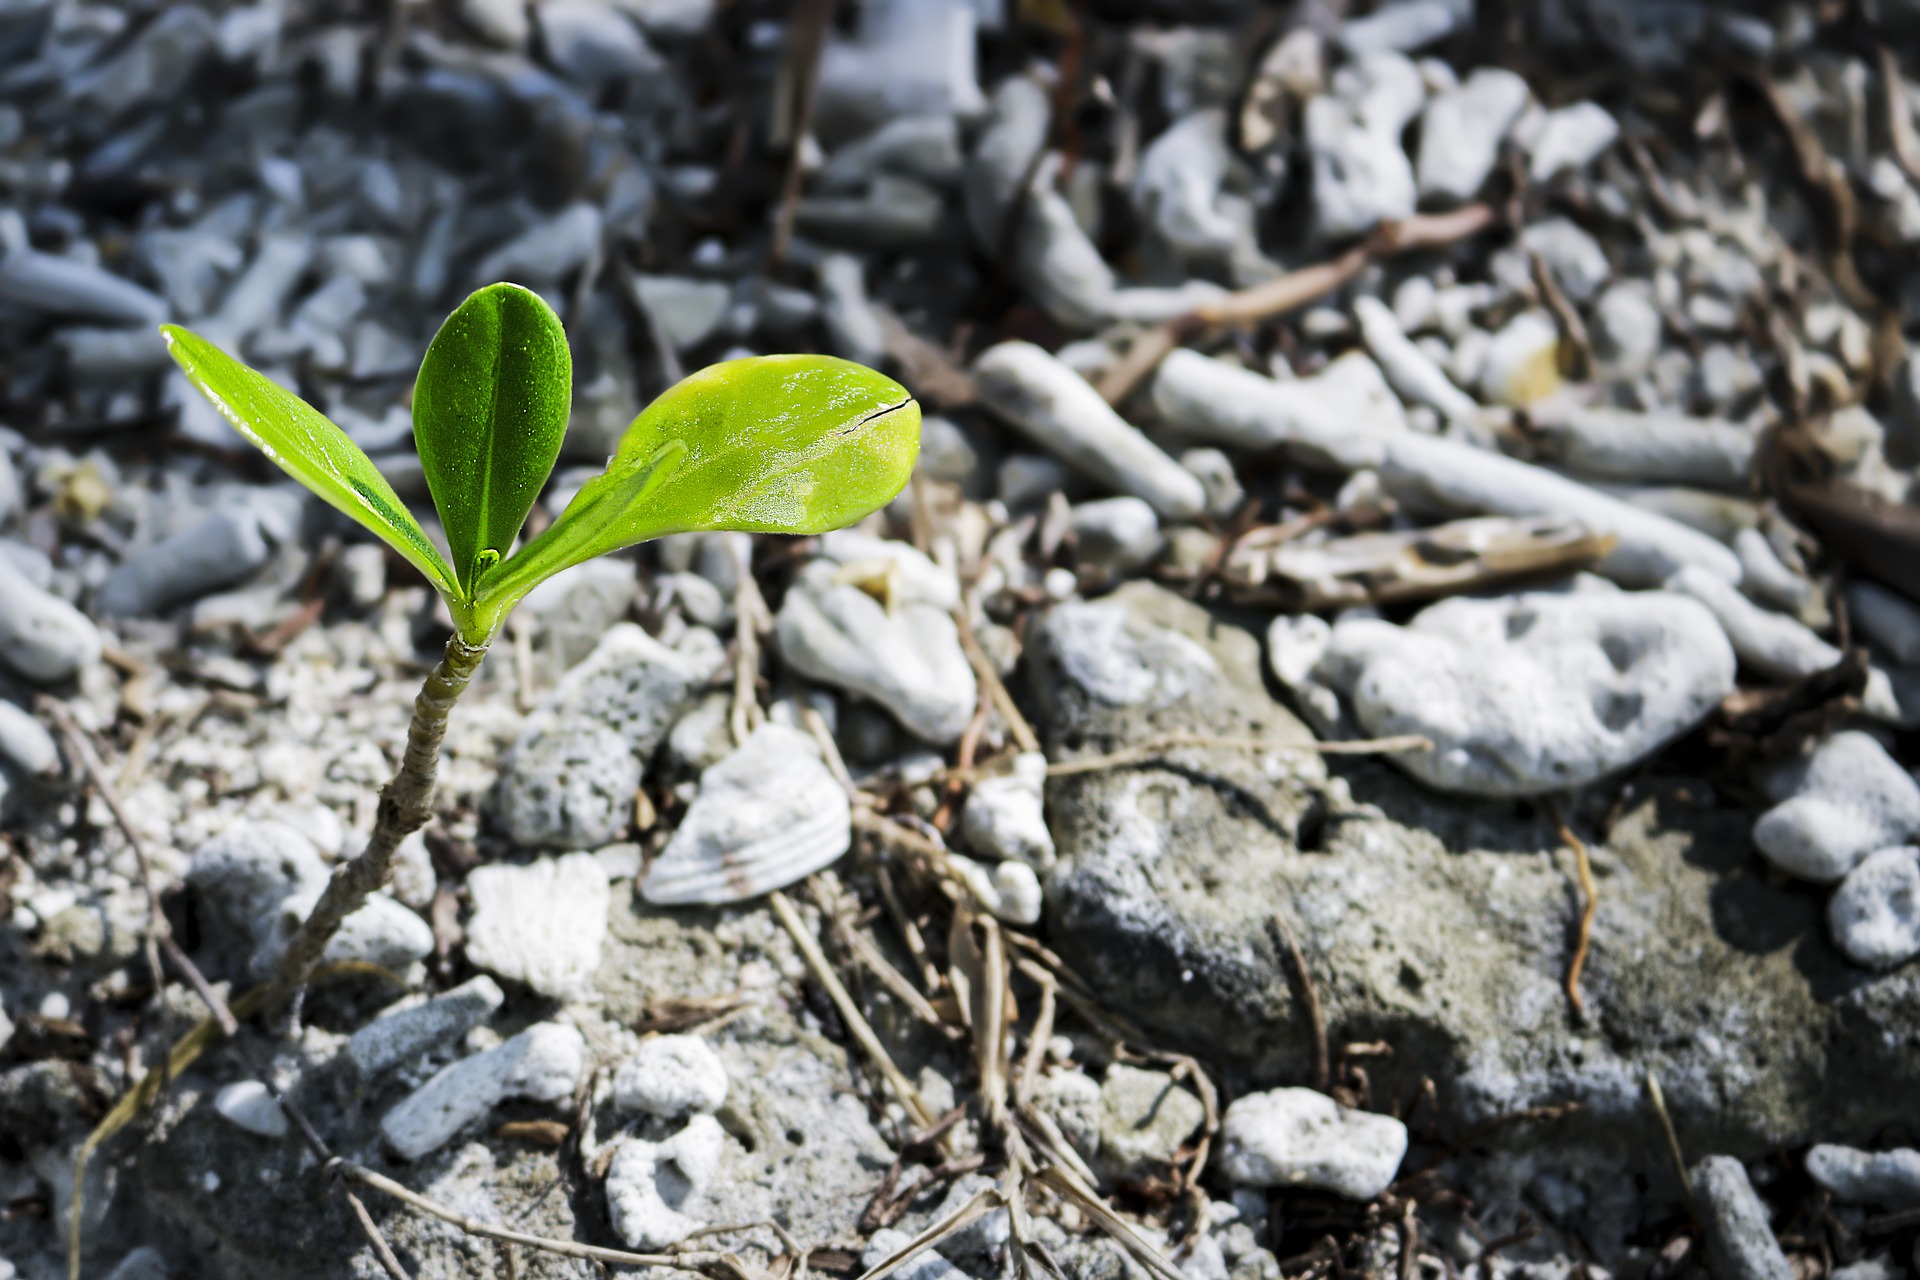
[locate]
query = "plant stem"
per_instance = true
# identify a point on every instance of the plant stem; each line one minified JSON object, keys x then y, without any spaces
{"x":406,"y":803}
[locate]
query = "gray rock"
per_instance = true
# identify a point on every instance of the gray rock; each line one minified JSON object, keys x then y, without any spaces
{"x":594,"y":45}
{"x":541,"y":924}
{"x":1177,"y":188}
{"x":550,"y":250}
{"x":1771,"y":643}
{"x":854,"y":325}
{"x":71,"y":289}
{"x":241,"y":877}
{"x":383,"y":933}
{"x":1885,"y":1179}
{"x":502,"y":22}
{"x":924,"y":147}
{"x":1009,"y":890}
{"x":1740,"y":1244}
{"x":686,"y":311}
{"x":1586,"y":685}
{"x":1004,"y":816}
{"x":671,"y":1076}
{"x":143,"y":1263}
{"x":928,"y":1265}
{"x":1875,"y":914}
{"x":906,"y":58}
{"x":654,"y":1189}
{"x":1117,"y":534}
{"x":1889,"y":619}
{"x":42,"y":637}
{"x":1460,"y":133}
{"x":154,"y":67}
{"x":1578,"y":263}
{"x":224,"y":549}
{"x":1570,"y":138}
{"x":26,"y":744}
{"x":1841,"y":802}
{"x":1059,"y":410}
{"x":1145,"y":1118}
{"x":1300,"y":1138}
{"x":908,"y":661}
{"x":401,"y":1036}
{"x":542,"y":1063}
{"x":570,"y":786}
{"x":578,"y":607}
{"x":1402,"y":26}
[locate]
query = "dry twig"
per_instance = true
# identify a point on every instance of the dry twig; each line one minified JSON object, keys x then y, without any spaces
{"x":1308,"y":999}
{"x":1156,"y":746}
{"x":807,"y":41}
{"x":1659,"y":1101}
{"x":1590,"y":906}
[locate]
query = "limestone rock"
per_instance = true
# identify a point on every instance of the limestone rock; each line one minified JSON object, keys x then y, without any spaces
{"x":1301,"y":1138}
{"x":541,"y":924}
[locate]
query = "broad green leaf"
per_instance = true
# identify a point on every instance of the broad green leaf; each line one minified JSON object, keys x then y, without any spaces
{"x":489,"y":409}
{"x":308,"y":447}
{"x":767,"y":444}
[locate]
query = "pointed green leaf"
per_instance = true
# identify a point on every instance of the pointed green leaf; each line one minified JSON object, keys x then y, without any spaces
{"x":308,"y":447}
{"x":489,"y":410}
{"x":767,"y":444}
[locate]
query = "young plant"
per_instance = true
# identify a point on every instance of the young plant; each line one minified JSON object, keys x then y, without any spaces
{"x":767,"y":444}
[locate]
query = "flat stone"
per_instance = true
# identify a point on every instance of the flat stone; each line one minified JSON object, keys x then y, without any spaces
{"x":1875,"y":914}
{"x":1733,"y":1219}
{"x":403,"y":1035}
{"x":542,"y":1063}
{"x":1835,"y":805}
{"x":1145,"y":1118}
{"x":541,"y":924}
{"x":1300,"y":1138}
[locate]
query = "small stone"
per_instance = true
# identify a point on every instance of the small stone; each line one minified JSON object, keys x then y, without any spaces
{"x":1522,"y":362}
{"x":1460,"y":133}
{"x":42,"y":637}
{"x":541,"y":924}
{"x":70,"y":289}
{"x":153,"y":68}
{"x":651,"y":1186}
{"x":1402,"y":26}
{"x":1837,"y":805}
{"x":1571,"y":138}
{"x":1004,"y":816}
{"x":1885,"y":1179}
{"x":911,"y":576}
{"x":143,"y":1263}
{"x":1071,"y":1099}
{"x":1626,"y":327}
{"x":1010,"y":891}
{"x":1771,"y":643}
{"x":669,"y":1077}
{"x":26,"y":744}
{"x":542,"y":1063}
{"x":501,"y":22}
{"x":219,"y":551}
{"x":360,"y":573}
{"x":1300,"y":1138}
{"x":571,"y":786}
{"x":382,"y":933}
{"x":908,"y":660}
{"x":1177,"y":188}
{"x":1120,"y":535}
{"x":1578,"y":263}
{"x":550,"y":250}
{"x":248,"y":1104}
{"x":594,"y":45}
{"x":1889,"y":619}
{"x":1875,"y":915}
{"x":1145,"y":1118}
{"x":686,"y":311}
{"x":1060,"y":411}
{"x":1361,"y":176}
{"x":241,"y":877}
{"x":929,"y":1264}
{"x":401,"y":1036}
{"x":1740,"y":1244}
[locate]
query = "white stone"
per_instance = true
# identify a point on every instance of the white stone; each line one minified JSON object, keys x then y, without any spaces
{"x":25,"y":742}
{"x":1626,"y":327}
{"x":1300,"y":1138}
{"x":1889,"y":1179}
{"x":594,"y":45}
{"x":1340,"y":418}
{"x":651,"y":1186}
{"x":767,"y":815}
{"x":912,"y":576}
{"x":1572,"y":137}
{"x":1533,"y":693}
{"x":541,"y":924}
{"x":1888,"y":618}
{"x":1177,"y":187}
{"x":542,"y":1063}
{"x":907,"y":58}
{"x":248,"y":1104}
{"x":855,"y":329}
{"x":1009,"y":890}
{"x":1460,"y":133}
{"x":908,"y":660}
{"x":382,"y":933}
{"x":1401,"y":26}
{"x":1662,"y":448}
{"x":219,"y":551}
{"x":1411,"y":371}
{"x":669,"y":1077}
{"x":1875,"y":914}
{"x":1118,"y":534}
{"x":1835,"y":806}
{"x":1005,"y":815}
{"x":1520,"y":367}
{"x":1059,"y":410}
{"x":503,"y":22}
{"x":1578,"y":263}
{"x":1361,"y":176}
{"x":1771,"y":643}
{"x":42,"y":637}
{"x":67,"y":287}
{"x":685,"y":310}
{"x":404,"y":1034}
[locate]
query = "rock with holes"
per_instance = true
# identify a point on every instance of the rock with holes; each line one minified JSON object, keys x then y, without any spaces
{"x":669,"y":1077}
{"x":1303,"y":1138}
{"x":654,"y":1188}
{"x":1528,"y":694}
{"x":541,"y":924}
{"x":1835,"y":805}
{"x":1875,"y":914}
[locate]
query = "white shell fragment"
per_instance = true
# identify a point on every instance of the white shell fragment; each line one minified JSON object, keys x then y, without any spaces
{"x":541,"y":924}
{"x":766,"y":816}
{"x":542,"y":1063}
{"x":249,"y":1104}
{"x":652,"y":1185}
{"x":669,"y":1077}
{"x":1010,"y":890}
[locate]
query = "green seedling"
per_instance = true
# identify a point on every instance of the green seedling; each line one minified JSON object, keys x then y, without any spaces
{"x":767,"y":444}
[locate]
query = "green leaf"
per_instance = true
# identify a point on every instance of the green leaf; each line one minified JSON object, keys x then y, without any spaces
{"x":489,"y":410}
{"x":768,"y":444}
{"x":310,"y":448}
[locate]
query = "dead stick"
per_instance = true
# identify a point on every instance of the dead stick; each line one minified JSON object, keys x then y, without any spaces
{"x":1589,"y":907}
{"x":810,"y":19}
{"x":1023,"y":735}
{"x":1152,"y":747}
{"x":381,"y":1249}
{"x":1309,"y":999}
{"x":1659,"y":1101}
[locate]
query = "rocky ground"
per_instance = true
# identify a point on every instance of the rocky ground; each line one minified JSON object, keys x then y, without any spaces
{"x":1375,"y":744}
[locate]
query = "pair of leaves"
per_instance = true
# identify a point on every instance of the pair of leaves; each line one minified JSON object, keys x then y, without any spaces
{"x":767,"y":444}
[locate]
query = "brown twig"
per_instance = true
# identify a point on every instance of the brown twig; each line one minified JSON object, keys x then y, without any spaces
{"x":1589,"y":907}
{"x":1576,"y":349}
{"x":381,"y":1249}
{"x":1289,"y":292}
{"x":1827,"y":176}
{"x":806,"y":42}
{"x":1156,"y":746}
{"x":1023,"y":735}
{"x":1659,"y":1101}
{"x":1308,"y":999}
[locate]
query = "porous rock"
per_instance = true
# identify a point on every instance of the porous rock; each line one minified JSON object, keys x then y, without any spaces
{"x":1886,"y":1179}
{"x":1303,"y":1138}
{"x":1835,"y":805}
{"x":404,"y":1034}
{"x":653,"y":1188}
{"x":1733,"y":1219}
{"x":671,"y":1076}
{"x":541,"y":924}
{"x":1875,"y":914}
{"x":542,"y":1063}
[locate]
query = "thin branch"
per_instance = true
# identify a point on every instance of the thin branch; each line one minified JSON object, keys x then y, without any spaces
{"x":1589,"y":907}
{"x":1659,"y":1101}
{"x":381,"y":1250}
{"x":807,"y":42}
{"x":1023,"y":735}
{"x":1113,"y":1224}
{"x":1156,"y":746}
{"x":1308,"y":999}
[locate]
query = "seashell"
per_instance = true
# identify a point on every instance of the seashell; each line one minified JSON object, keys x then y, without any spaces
{"x":766,"y":816}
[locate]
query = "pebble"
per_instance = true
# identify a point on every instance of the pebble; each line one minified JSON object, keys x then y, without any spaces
{"x":225,"y":548}
{"x":929,"y":1264}
{"x":383,"y":933}
{"x":1005,"y":815}
{"x":240,"y":878}
{"x":1521,"y":364}
{"x":1885,"y":1179}
{"x":1835,"y":806}
{"x":1217,"y":476}
{"x":909,"y":660}
{"x":1533,"y":693}
{"x":541,"y":924}
{"x":1061,"y":412}
{"x":570,"y":786}
{"x":907,"y":57}
{"x":1771,"y":643}
{"x":1874,"y":916}
{"x":1411,"y":371}
{"x":552,"y":249}
{"x":1145,"y":1118}
{"x":651,"y":1184}
{"x":855,"y":328}
{"x":1177,"y":188}
{"x":766,"y":816}
{"x":1578,"y":263}
{"x":911,"y":575}
{"x":1889,"y":619}
{"x":1009,"y":890}
{"x":248,"y":1104}
{"x":1460,"y":133}
{"x":1626,"y":327}
{"x":402,"y":1035}
{"x":685,"y":311}
{"x":671,"y":1076}
{"x":542,"y":1063}
{"x":502,"y":22}
{"x":1120,"y":535}
{"x":1402,"y":26}
{"x":42,"y":637}
{"x":1342,"y":418}
{"x":1361,"y":176}
{"x":1768,"y":579}
{"x":594,"y":45}
{"x":1733,"y":1220}
{"x":26,"y":744}
{"x":75,"y":290}
{"x":1571,"y":138}
{"x":1300,"y":1138}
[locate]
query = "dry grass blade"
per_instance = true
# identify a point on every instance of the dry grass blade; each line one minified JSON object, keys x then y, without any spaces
{"x":1301,"y":980}
{"x":983,"y":1203}
{"x":990,"y":1024}
{"x":808,"y":40}
{"x":1659,"y":1101}
{"x":1023,"y":735}
{"x":1156,"y":746}
{"x":1113,"y":1224}
{"x":381,"y":1249}
{"x":1589,"y":907}
{"x":857,"y":1023}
